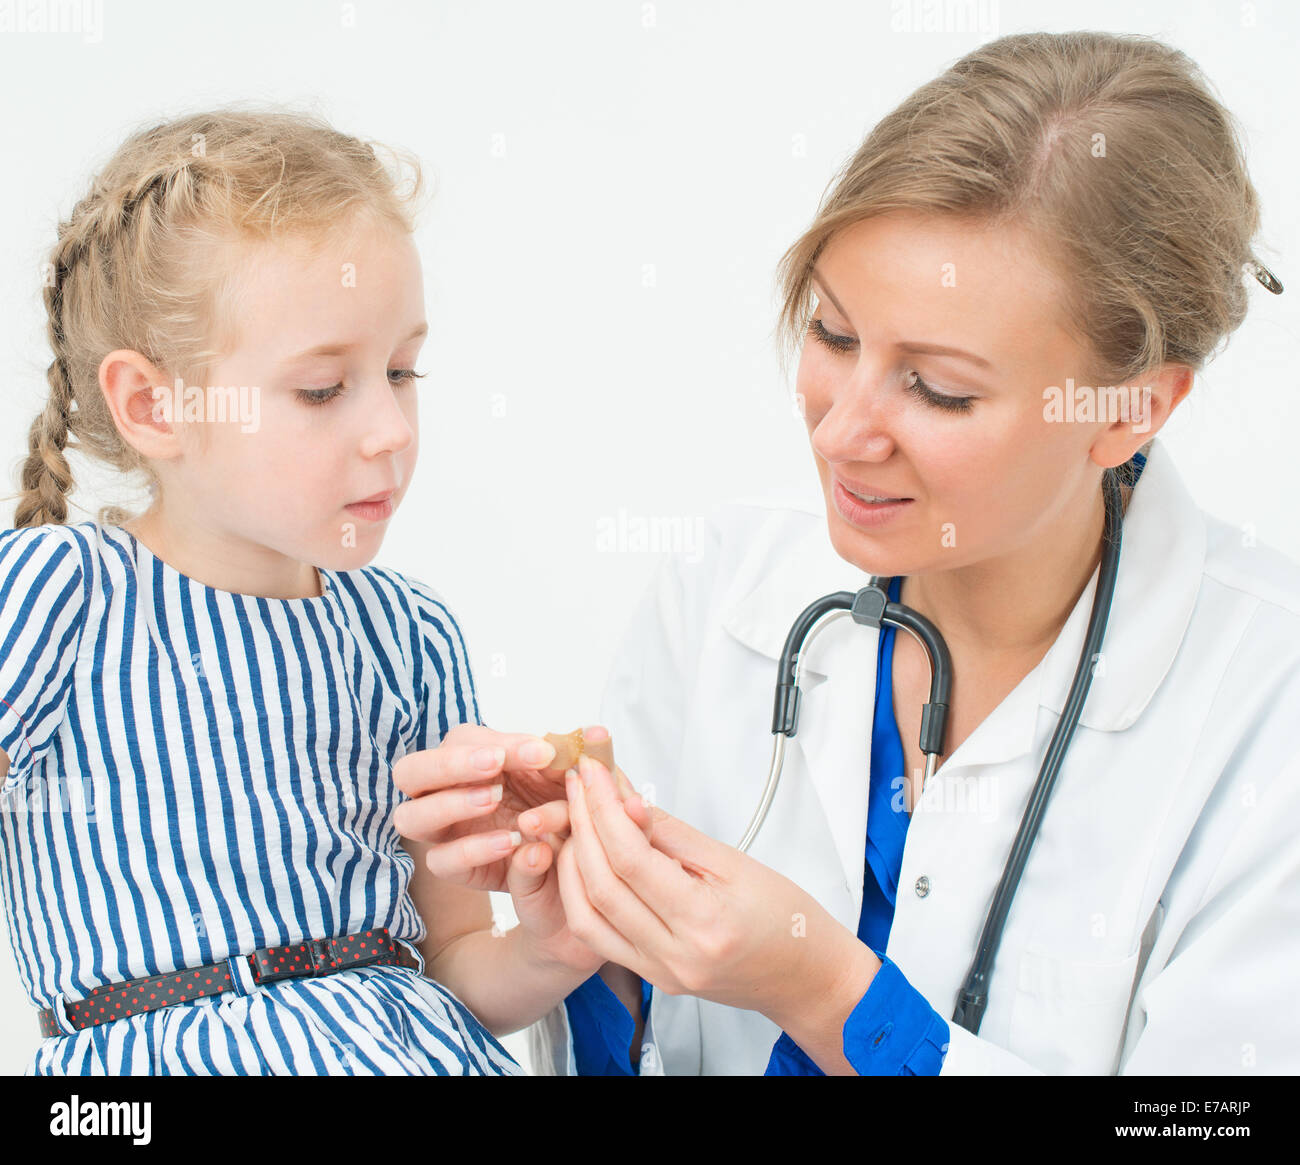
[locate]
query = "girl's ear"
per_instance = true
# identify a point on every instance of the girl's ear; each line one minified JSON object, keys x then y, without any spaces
{"x":142,"y":402}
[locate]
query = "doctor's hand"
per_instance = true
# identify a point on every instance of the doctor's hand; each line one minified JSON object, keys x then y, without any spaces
{"x":697,"y":917}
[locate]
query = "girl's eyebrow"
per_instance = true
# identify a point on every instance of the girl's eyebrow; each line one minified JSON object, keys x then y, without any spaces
{"x":340,"y":349}
{"x":907,"y":345}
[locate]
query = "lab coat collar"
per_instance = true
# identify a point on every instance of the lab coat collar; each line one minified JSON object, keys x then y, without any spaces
{"x":1161,"y":562}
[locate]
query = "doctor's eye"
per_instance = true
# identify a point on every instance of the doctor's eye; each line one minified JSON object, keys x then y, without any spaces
{"x":918,"y":387}
{"x":953,"y":404}
{"x":832,"y":341}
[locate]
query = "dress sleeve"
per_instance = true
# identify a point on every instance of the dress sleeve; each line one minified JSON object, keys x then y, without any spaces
{"x":42,"y":611}
{"x":443,"y":677}
{"x":893,"y":1031}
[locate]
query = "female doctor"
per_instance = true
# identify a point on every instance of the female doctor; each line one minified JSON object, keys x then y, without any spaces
{"x":1027,"y":225}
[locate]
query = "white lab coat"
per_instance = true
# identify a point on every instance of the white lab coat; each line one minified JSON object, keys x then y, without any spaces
{"x":1157,"y":925}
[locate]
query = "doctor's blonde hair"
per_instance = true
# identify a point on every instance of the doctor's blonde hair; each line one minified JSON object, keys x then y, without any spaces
{"x":1110,"y":150}
{"x":149,"y":261}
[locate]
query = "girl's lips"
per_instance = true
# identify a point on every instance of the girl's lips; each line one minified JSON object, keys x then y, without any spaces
{"x":374,"y":511}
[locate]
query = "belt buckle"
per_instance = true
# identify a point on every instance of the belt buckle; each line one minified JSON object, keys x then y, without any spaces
{"x":321,"y":956}
{"x":306,"y":959}
{"x":325,"y":957}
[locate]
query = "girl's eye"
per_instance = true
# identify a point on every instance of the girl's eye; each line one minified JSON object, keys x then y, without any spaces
{"x":401,"y":374}
{"x":939,"y":400}
{"x":320,"y":396}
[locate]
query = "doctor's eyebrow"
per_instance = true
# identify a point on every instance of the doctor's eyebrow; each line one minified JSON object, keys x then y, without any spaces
{"x":907,"y":345}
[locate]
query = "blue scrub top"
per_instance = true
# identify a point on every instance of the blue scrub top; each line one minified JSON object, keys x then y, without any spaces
{"x":893,"y":1031}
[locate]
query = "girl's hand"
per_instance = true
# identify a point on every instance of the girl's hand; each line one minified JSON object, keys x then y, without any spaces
{"x":466,"y":797}
{"x":471,"y":843}
{"x":695,"y":916}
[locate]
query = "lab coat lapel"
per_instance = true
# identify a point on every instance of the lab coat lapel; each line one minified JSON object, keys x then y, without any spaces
{"x":1162,"y":556}
{"x":838,"y":682}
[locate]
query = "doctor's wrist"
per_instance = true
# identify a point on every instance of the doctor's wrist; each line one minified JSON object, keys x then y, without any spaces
{"x":823,"y":998}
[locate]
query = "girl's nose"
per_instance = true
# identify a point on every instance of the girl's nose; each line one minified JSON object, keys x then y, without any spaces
{"x":387,"y":428}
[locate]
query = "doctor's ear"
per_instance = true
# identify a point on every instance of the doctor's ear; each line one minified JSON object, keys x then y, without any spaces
{"x":1138,"y":411}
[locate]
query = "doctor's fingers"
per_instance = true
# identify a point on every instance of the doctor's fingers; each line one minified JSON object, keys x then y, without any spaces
{"x":656,"y":878}
{"x":611,"y":897}
{"x":585,"y":923}
{"x":469,"y":753}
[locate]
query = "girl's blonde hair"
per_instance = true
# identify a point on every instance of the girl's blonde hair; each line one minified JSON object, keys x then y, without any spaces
{"x":1110,"y":150}
{"x":146,"y":261}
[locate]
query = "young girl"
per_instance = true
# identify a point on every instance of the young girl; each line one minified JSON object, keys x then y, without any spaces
{"x":199,"y":866}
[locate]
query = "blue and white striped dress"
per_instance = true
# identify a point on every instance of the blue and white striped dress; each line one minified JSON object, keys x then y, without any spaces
{"x":195,"y":774}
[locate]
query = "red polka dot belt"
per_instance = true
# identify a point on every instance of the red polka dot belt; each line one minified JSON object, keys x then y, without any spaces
{"x":319,"y":956}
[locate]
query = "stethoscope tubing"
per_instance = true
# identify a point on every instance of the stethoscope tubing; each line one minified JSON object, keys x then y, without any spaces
{"x":871,"y":607}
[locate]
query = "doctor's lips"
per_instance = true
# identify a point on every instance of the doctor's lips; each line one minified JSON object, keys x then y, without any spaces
{"x":376,"y":508}
{"x":862,"y":504}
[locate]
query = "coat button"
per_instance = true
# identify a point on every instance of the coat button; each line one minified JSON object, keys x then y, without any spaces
{"x":922,"y":886}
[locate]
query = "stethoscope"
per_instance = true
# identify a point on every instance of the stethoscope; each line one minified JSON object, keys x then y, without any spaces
{"x":871,"y":607}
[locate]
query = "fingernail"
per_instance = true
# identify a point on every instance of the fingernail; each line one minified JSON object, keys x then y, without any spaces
{"x":588,"y":771}
{"x":489,"y":758}
{"x":536,"y":752}
{"x":506,"y":844}
{"x":485,"y":796}
{"x":534,"y":858}
{"x":571,"y":780}
{"x":529,"y":822}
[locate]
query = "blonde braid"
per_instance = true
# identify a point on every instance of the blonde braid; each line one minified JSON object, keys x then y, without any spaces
{"x":140,"y":264}
{"x":46,"y":475}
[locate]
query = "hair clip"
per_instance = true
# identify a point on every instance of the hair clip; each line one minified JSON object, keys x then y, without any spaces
{"x":1265,"y":276}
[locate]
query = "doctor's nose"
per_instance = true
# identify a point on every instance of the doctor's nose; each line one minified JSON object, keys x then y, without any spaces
{"x":854,"y":428}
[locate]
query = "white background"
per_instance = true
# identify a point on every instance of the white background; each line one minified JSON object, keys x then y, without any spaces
{"x":615,"y":183}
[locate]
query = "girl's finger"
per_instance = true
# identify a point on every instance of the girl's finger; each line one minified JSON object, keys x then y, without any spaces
{"x":611,"y":897}
{"x":454,"y":859}
{"x":552,"y":818}
{"x":476,"y":756}
{"x":527,"y":873}
{"x":426,"y":817}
